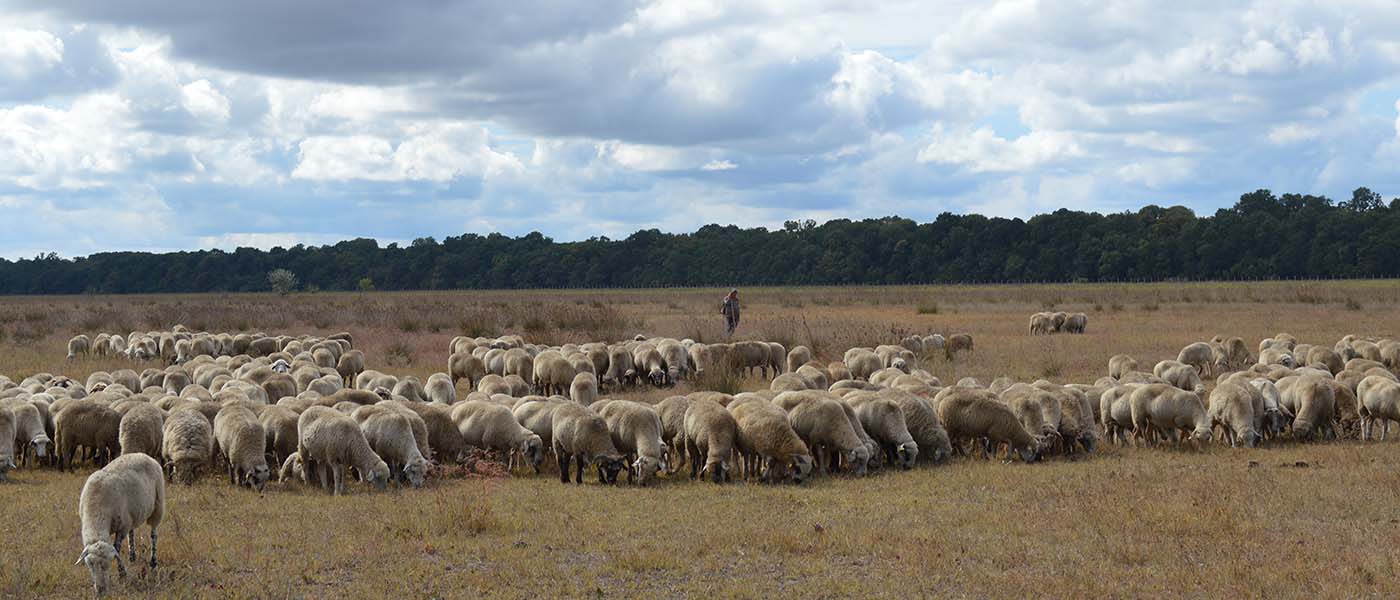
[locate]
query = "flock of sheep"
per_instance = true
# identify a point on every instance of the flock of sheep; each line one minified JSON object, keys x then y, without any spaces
{"x":1046,"y":323}
{"x":306,"y":409}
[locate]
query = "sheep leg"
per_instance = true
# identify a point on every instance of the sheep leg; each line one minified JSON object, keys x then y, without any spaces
{"x":121,"y":566}
{"x":338,"y":471}
{"x":563,"y":466}
{"x":153,"y":548}
{"x":693,"y":450}
{"x":581,"y":464}
{"x":1385,"y":428}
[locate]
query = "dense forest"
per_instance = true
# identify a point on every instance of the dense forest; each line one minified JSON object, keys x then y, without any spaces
{"x":1263,"y":236}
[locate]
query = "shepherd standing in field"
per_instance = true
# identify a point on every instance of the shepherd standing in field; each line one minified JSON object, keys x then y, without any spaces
{"x":730,"y":310}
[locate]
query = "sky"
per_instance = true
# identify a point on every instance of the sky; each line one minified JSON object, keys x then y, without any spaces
{"x":158,"y":126}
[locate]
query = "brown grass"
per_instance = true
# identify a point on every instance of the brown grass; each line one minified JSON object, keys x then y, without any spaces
{"x":1123,"y":523}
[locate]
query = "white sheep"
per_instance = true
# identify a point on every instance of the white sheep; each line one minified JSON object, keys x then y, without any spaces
{"x":390,"y":435}
{"x":328,"y":443}
{"x":117,"y":499}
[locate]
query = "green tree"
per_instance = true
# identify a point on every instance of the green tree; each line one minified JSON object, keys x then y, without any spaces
{"x":282,"y":281}
{"x":366,"y":284}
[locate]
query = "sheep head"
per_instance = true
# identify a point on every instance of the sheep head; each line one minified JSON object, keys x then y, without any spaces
{"x":718,"y":470}
{"x":532,"y":447}
{"x":859,"y":459}
{"x":415,"y":472}
{"x":257,"y":478}
{"x":608,"y":468}
{"x":657,"y":377}
{"x":7,"y":464}
{"x":98,"y":557}
{"x":644,"y":469}
{"x":801,"y":468}
{"x":41,"y":445}
{"x":378,"y":476}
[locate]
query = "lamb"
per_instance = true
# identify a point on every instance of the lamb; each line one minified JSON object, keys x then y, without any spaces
{"x":117,"y":499}
{"x":493,"y":427}
{"x":820,"y":420}
{"x":464,"y":365}
{"x":1120,"y":365}
{"x":582,"y":435}
{"x":187,"y":442}
{"x":1162,"y":408}
{"x":1233,"y":407}
{"x":279,"y":424}
{"x":140,"y":430}
{"x":80,"y":345}
{"x":89,"y":424}
{"x":798,"y":356}
{"x":764,"y":434}
{"x":1378,"y":399}
{"x":710,"y":433}
{"x":328,"y":442}
{"x":440,"y":389}
{"x":1075,"y":323}
{"x":970,"y":414}
{"x":636,"y":432}
{"x":243,"y":443}
{"x":390,"y":435}
{"x":957,"y":342}
{"x":883,"y":420}
{"x":584,"y":389}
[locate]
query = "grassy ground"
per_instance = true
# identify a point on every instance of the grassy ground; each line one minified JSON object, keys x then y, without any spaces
{"x":1287,"y":521}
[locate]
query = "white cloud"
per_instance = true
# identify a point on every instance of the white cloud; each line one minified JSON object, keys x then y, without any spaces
{"x":982,"y":150}
{"x":25,"y":51}
{"x":1291,"y":133}
{"x":204,"y":102}
{"x":719,"y":165}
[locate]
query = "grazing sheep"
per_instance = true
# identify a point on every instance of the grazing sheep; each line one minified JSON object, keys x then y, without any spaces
{"x":122,"y":496}
{"x":956,"y":343}
{"x":243,"y":443}
{"x":493,"y":427}
{"x":279,"y":424}
{"x":80,"y":345}
{"x":1378,"y":399}
{"x":90,"y":424}
{"x":1120,"y":365}
{"x":328,"y":442}
{"x":141,"y":430}
{"x":764,"y":434}
{"x":7,"y":441}
{"x":636,"y":433}
{"x":410,"y":388}
{"x":1203,"y":357}
{"x":1116,"y":413}
{"x":928,"y":434}
{"x":1312,"y":400}
{"x":537,"y":415}
{"x":1041,"y":324}
{"x":1233,"y":408}
{"x":31,"y":433}
{"x":1075,"y":323}
{"x":584,"y":389}
{"x":970,"y":414}
{"x":1184,"y":377}
{"x":440,"y":389}
{"x":464,"y":365}
{"x":1237,"y":353}
{"x":1276,"y":356}
{"x":838,"y":372}
{"x":883,"y":420}
{"x":820,"y":420}
{"x":1168,"y":411}
{"x":798,"y":356}
{"x":553,"y":373}
{"x":862,"y":363}
{"x":1333,"y":361}
{"x":671,"y":411}
{"x":187,"y":444}
{"x":790,"y":382}
{"x":710,"y":434}
{"x":621,"y":372}
{"x":582,"y":435}
{"x":390,"y":436}
{"x":444,"y":439}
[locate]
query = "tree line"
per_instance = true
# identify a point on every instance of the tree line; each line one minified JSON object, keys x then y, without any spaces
{"x":1263,"y":236}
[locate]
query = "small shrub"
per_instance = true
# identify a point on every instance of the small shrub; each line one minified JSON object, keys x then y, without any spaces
{"x":1052,"y":368}
{"x":927,"y":308}
{"x":725,"y":380}
{"x":1352,"y":304}
{"x":398,"y":354}
{"x":1151,"y":307}
{"x":408,"y":325}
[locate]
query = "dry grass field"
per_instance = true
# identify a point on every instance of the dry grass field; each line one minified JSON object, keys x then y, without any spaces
{"x":1286,"y":521}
